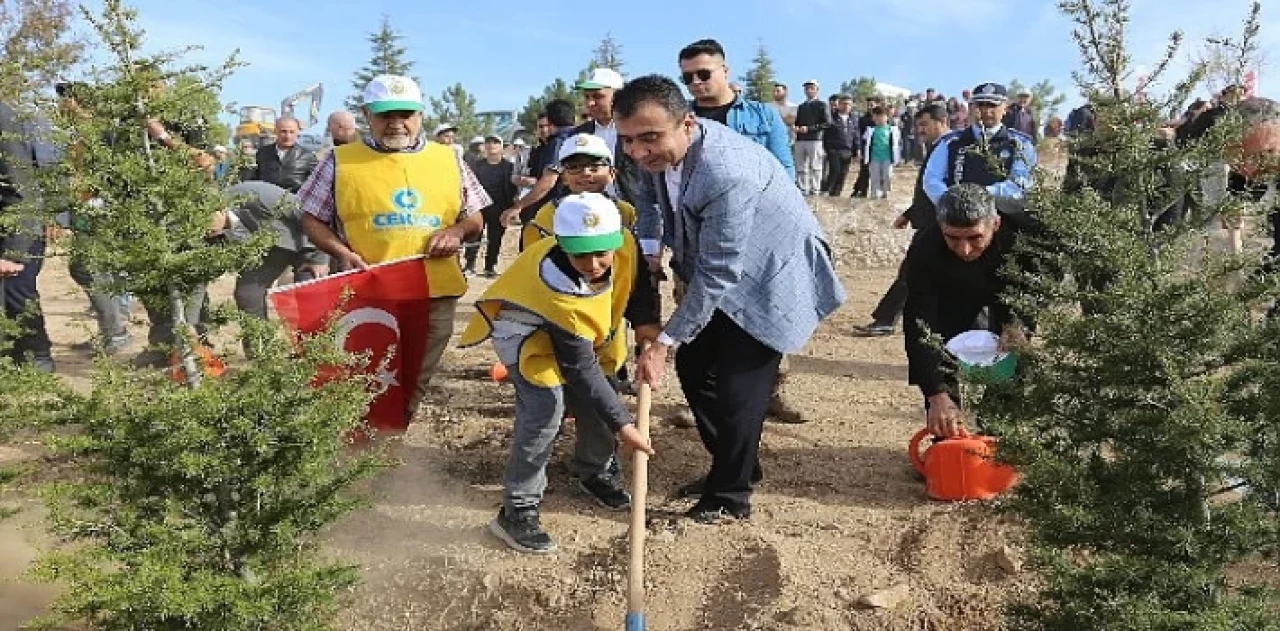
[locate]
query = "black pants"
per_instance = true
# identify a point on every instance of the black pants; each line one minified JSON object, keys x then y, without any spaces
{"x":727,"y":376}
{"x":864,"y":180}
{"x":493,"y":230}
{"x":839,"y":168}
{"x":890,"y":307}
{"x":22,"y":303}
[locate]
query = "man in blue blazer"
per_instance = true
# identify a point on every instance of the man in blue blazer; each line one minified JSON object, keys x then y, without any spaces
{"x":757,"y":267}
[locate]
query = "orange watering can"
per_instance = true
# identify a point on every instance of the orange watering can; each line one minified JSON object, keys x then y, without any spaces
{"x":960,"y":468}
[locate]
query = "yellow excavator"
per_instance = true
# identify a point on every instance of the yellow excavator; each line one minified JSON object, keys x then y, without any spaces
{"x":257,"y":125}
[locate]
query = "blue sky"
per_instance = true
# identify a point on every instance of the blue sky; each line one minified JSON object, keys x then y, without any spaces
{"x":504,"y":52}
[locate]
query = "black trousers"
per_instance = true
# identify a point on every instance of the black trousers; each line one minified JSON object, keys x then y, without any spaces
{"x":839,"y":166}
{"x":493,"y":230}
{"x":22,"y":303}
{"x":727,"y":376}
{"x":864,"y":180}
{"x":889,"y":309}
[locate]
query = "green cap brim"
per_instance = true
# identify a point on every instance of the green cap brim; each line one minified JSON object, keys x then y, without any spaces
{"x":593,"y":243}
{"x":379,"y":107}
{"x":589,"y":85}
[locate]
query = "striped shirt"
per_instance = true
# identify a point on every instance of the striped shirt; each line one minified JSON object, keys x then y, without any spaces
{"x":316,"y":196}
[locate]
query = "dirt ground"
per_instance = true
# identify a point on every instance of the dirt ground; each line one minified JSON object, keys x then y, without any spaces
{"x":839,"y":514}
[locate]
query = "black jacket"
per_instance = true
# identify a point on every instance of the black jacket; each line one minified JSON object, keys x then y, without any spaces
{"x":816,"y":116}
{"x":947,"y":295}
{"x":922,"y":213}
{"x":842,"y":136}
{"x":289,"y":173}
{"x":17,"y":182}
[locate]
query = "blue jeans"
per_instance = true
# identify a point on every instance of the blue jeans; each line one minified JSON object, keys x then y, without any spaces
{"x":539,"y":412}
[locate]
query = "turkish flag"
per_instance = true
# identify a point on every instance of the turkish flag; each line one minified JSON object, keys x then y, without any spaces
{"x":386,"y":315}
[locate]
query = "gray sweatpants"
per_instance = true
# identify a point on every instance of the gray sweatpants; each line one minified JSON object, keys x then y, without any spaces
{"x":881,"y":177}
{"x":809,"y":166}
{"x":538,"y":415}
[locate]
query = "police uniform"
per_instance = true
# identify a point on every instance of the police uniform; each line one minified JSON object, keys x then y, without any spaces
{"x":997,"y":158}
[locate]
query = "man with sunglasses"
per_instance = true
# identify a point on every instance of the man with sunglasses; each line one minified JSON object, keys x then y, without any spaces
{"x":986,"y":153}
{"x":706,"y":75}
{"x":395,"y":195}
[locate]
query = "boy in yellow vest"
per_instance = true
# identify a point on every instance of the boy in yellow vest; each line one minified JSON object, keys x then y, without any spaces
{"x":555,"y":318}
{"x":586,"y":166}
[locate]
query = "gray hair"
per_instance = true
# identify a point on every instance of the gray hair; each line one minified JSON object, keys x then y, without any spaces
{"x":1259,"y":111}
{"x":966,"y":205}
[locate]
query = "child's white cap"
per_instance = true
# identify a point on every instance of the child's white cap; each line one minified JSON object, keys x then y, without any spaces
{"x":585,"y":145}
{"x":587,"y":222}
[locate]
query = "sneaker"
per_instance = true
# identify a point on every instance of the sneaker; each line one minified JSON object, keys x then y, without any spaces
{"x":491,"y":273}
{"x":468,"y":272}
{"x":713,"y":513}
{"x":607,"y":491}
{"x":523,"y":532}
{"x":875,"y":329}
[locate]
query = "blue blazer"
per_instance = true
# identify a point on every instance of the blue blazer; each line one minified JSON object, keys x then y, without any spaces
{"x":743,"y":239}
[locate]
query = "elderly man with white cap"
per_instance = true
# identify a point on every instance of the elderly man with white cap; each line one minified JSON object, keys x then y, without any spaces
{"x":396,"y":195}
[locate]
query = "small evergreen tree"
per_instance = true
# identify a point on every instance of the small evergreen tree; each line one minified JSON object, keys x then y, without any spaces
{"x":608,"y":55}
{"x":1045,"y":99}
{"x":758,"y":80}
{"x":194,"y":505}
{"x":389,"y":57}
{"x":457,"y":107}
{"x":1146,"y":393}
{"x":558,"y":89}
{"x":861,"y":89}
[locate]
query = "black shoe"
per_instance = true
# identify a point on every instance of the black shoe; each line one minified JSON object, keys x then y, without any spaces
{"x":607,"y":490}
{"x":523,"y":532}
{"x":875,"y":329}
{"x":699,"y":486}
{"x":491,"y":273}
{"x":151,"y":358}
{"x":712,"y":513}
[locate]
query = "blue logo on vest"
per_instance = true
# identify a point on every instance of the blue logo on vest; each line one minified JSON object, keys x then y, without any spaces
{"x":406,"y":200}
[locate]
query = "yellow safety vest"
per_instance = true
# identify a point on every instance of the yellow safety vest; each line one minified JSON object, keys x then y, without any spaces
{"x":543,"y":223}
{"x":391,"y":203}
{"x":597,"y":318}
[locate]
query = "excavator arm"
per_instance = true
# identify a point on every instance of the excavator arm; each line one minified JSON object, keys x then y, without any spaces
{"x":315,"y":94}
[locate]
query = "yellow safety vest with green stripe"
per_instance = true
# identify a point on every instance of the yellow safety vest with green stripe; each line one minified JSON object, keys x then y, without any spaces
{"x":543,"y":223}
{"x":597,"y":317}
{"x":391,"y":203}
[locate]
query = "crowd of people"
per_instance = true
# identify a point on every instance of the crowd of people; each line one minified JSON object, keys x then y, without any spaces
{"x":644,"y":189}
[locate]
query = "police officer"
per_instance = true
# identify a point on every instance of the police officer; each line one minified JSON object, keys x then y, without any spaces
{"x":963,"y":156}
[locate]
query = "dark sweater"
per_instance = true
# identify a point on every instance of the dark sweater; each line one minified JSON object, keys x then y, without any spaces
{"x":496,"y":180}
{"x":816,"y":116}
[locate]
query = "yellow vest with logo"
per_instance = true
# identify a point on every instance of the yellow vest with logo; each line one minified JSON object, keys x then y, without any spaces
{"x":597,"y":318}
{"x":391,"y":203}
{"x":543,"y":223}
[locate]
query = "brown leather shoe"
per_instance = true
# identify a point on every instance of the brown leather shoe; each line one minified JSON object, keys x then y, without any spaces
{"x":781,"y":409}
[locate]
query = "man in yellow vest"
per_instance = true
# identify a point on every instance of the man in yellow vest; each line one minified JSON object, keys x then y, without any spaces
{"x":395,"y":195}
{"x":555,"y":318}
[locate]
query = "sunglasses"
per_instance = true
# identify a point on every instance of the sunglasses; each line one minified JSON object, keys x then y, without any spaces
{"x":702,"y":75}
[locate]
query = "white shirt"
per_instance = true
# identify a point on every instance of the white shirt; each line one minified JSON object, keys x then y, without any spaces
{"x":609,"y":134}
{"x":672,"y":178}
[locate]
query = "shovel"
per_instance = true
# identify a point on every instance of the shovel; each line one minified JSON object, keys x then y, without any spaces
{"x":639,"y":493}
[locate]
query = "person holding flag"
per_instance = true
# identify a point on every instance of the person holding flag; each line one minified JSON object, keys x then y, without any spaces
{"x":555,"y":318}
{"x":393,"y":196}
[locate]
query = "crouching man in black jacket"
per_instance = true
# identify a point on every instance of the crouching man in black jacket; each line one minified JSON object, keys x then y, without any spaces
{"x":953,"y":277}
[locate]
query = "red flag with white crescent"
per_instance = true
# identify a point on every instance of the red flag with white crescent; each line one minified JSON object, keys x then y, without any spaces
{"x":387,"y":315}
